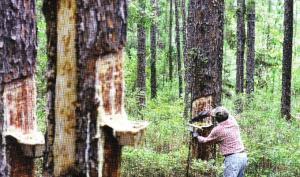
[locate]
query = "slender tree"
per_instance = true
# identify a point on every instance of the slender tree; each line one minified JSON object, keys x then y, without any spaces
{"x":240,"y":53}
{"x":295,"y":29}
{"x":20,"y":141}
{"x":287,"y":59}
{"x":268,"y":42}
{"x":219,"y":47}
{"x":240,"y":14}
{"x":85,"y":86}
{"x":170,"y":53}
{"x":178,"y":47}
{"x":141,"y":63}
{"x":250,"y":47}
{"x":205,"y":49}
{"x":187,"y":74}
{"x":153,"y":50}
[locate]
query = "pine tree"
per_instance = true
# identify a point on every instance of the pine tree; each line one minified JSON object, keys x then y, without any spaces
{"x":287,"y":59}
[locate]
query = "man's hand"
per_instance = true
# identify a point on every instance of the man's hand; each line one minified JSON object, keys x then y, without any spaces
{"x":200,"y":116}
{"x":195,"y":134}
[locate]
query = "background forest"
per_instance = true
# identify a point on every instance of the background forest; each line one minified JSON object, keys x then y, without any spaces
{"x":272,"y":142}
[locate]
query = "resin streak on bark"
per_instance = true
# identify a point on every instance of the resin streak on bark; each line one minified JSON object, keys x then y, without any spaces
{"x":19,"y":110}
{"x":65,"y":89}
{"x":85,"y":41}
{"x":109,"y":86}
{"x":17,"y":39}
{"x":20,"y":128}
{"x":109,"y":93}
{"x":101,"y":34}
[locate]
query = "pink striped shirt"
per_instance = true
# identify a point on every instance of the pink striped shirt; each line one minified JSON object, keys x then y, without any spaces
{"x":227,"y":135}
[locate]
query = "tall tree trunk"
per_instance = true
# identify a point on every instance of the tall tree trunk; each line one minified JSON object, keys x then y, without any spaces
{"x":178,"y":48}
{"x":187,"y":74}
{"x":287,"y":59}
{"x":19,"y":137}
{"x":240,"y":14}
{"x":241,"y":39}
{"x":251,"y":47}
{"x":141,"y":63}
{"x":219,"y":47}
{"x":153,"y":50}
{"x":205,"y":44}
{"x":85,"y":86}
{"x":170,"y":54}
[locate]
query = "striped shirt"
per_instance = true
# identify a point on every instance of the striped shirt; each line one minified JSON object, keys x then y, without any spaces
{"x":227,"y":135}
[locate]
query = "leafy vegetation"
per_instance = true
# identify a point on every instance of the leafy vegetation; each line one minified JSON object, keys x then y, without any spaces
{"x":272,"y":143}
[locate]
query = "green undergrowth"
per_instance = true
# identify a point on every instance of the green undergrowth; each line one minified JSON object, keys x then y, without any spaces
{"x":272,"y":143}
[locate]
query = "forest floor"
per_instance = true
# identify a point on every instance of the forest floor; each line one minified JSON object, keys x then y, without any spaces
{"x":272,"y":143}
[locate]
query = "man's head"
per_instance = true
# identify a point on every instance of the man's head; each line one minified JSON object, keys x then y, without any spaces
{"x":220,"y":114}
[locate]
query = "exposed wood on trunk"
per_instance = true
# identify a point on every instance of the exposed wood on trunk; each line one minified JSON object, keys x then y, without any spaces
{"x":241,"y":39}
{"x":251,"y":47}
{"x":65,"y":89}
{"x":287,"y":59}
{"x":110,"y":95}
{"x":205,"y":41}
{"x":199,"y":150}
{"x":141,"y":63}
{"x":18,"y":129}
{"x":20,"y":126}
{"x":85,"y":86}
{"x":178,"y":48}
{"x":153,"y":50}
{"x":170,"y":52}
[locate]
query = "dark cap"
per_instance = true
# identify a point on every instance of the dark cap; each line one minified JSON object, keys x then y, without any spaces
{"x":220,"y":113}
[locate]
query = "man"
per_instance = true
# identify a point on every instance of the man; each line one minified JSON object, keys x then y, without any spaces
{"x":227,"y":135}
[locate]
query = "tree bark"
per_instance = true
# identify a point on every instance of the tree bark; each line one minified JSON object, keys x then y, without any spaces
{"x":85,"y":86}
{"x":240,"y":14}
{"x":177,"y":28}
{"x":205,"y":44}
{"x":219,"y":47}
{"x":251,"y":47}
{"x":141,"y":63}
{"x":153,"y":50}
{"x":170,"y":54}
{"x":187,"y":74}
{"x":18,"y":44}
{"x":287,"y":59}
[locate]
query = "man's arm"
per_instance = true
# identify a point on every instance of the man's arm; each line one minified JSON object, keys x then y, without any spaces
{"x":212,"y":137}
